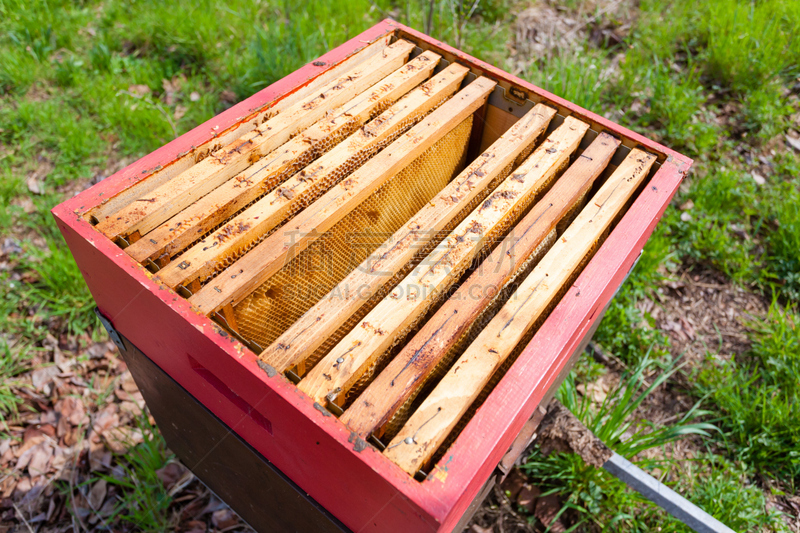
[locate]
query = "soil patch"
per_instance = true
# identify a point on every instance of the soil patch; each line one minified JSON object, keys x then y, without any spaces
{"x":703,"y":313}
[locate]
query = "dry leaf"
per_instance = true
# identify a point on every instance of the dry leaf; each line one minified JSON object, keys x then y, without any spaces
{"x":547,"y":510}
{"x":513,"y":483}
{"x":131,"y":408}
{"x":195,"y":526}
{"x":98,"y":494}
{"x":223,"y":519}
{"x":528,"y":497}
{"x":128,"y":385}
{"x":99,"y":457}
{"x":794,"y":143}
{"x":44,"y":376}
{"x":171,"y":88}
{"x":10,"y":246}
{"x":106,"y":419}
{"x":39,"y":463}
{"x":138,"y":91}
{"x":170,"y":473}
{"x":228,"y":96}
{"x":180,"y":110}
{"x":61,"y":455}
{"x":34,"y":185}
{"x":758,"y":178}
{"x":123,"y":438}
{"x":72,"y":409}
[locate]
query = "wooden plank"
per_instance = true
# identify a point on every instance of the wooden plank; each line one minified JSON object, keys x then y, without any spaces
{"x":319,"y":322}
{"x":428,"y":427}
{"x":339,"y":370}
{"x":243,"y":126}
{"x":307,"y":185}
{"x":241,"y":278}
{"x":406,"y":373}
{"x":196,"y":220}
{"x":146,"y":213}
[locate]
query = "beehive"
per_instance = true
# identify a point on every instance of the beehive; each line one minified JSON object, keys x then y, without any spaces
{"x":367,"y":255}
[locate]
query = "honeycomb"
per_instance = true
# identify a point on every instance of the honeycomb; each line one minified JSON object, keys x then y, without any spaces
{"x":497,"y":233}
{"x":390,"y":429}
{"x":363,"y":151}
{"x":284,"y":297}
{"x":526,"y":338}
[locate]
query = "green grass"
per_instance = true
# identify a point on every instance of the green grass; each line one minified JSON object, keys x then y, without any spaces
{"x":13,"y":362}
{"x":613,"y":421}
{"x":578,"y":77}
{"x":594,"y":498}
{"x":144,"y":501}
{"x":758,"y":396}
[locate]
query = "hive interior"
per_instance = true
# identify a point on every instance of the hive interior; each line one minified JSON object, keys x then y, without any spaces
{"x":370,"y":211}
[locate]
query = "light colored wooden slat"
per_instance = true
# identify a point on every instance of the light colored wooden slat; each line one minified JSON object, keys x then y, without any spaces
{"x":143,"y":187}
{"x":430,"y":424}
{"x":146,"y":213}
{"x":339,"y":370}
{"x":241,"y":278}
{"x":406,"y":373}
{"x":322,"y":320}
{"x":212,"y":209}
{"x":303,"y":188}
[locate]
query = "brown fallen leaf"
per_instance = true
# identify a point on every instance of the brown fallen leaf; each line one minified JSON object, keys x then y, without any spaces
{"x":61,"y":456}
{"x":513,"y":483}
{"x":98,"y":494}
{"x":73,"y":410}
{"x":40,"y":456}
{"x":223,"y":519}
{"x":228,"y":96}
{"x":99,"y":457}
{"x":171,"y":88}
{"x":180,"y":111}
{"x":138,"y":91}
{"x":170,"y":473}
{"x":547,"y":510}
{"x":24,"y":485}
{"x":528,"y":497}
{"x":794,"y":143}
{"x":34,"y":185}
{"x":195,"y":526}
{"x":30,"y":438}
{"x":73,"y":436}
{"x":128,"y":385}
{"x":105,"y":419}
{"x":121,"y":439}
{"x":131,"y":408}
{"x":43,"y":376}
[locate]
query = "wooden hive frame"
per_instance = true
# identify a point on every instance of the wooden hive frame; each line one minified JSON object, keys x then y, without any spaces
{"x":251,"y":396}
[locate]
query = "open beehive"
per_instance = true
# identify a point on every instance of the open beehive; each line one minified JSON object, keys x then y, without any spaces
{"x":385,"y":243}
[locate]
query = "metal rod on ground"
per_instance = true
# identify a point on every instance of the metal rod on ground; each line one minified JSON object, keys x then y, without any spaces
{"x":561,"y":425}
{"x":663,"y":496}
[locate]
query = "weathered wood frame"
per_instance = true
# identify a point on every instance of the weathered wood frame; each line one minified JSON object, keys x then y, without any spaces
{"x":299,"y":437}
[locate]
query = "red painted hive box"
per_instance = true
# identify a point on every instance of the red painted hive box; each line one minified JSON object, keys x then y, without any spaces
{"x":377,"y":270}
